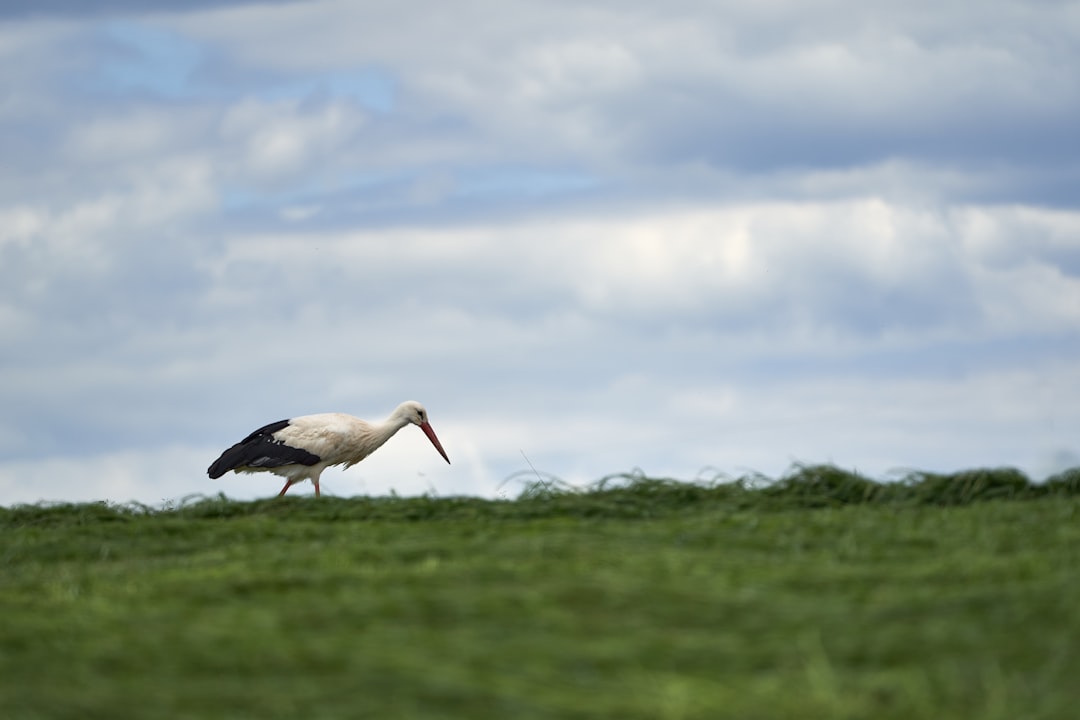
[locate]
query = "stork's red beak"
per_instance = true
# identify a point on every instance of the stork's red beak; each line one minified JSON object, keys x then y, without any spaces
{"x":426,"y":427}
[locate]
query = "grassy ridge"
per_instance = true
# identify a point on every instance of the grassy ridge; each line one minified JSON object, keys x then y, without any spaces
{"x":624,"y":495}
{"x":819,"y":595}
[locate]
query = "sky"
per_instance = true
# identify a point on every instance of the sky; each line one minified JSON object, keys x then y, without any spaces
{"x":692,"y":239}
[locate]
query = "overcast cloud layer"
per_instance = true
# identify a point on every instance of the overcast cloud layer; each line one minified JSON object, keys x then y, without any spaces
{"x":683,"y":237}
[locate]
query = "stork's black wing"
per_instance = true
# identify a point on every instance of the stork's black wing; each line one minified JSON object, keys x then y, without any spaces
{"x":261,"y":450}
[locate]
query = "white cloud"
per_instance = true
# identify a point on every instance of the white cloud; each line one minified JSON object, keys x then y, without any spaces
{"x":603,"y":84}
{"x":281,"y":139}
{"x":18,"y":224}
{"x":913,"y":269}
{"x":112,"y":139}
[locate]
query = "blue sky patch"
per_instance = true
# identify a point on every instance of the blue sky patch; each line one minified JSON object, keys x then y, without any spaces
{"x":148,"y":58}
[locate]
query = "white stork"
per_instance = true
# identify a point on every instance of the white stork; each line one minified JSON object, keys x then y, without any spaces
{"x":301,"y":448}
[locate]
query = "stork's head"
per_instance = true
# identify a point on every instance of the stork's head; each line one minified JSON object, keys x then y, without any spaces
{"x":413,"y":412}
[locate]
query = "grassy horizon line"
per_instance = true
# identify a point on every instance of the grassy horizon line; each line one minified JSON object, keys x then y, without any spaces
{"x":627,"y":495}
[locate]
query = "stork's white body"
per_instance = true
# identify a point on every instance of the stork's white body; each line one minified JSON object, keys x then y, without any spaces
{"x":301,"y":448}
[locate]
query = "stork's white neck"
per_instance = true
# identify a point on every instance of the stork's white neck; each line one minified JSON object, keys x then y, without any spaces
{"x":385,"y":430}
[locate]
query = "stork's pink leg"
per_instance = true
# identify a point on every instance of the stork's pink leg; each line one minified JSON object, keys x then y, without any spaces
{"x":287,"y":484}
{"x":317,"y":489}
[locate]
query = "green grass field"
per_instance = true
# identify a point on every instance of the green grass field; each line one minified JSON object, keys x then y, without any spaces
{"x":820,"y":595}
